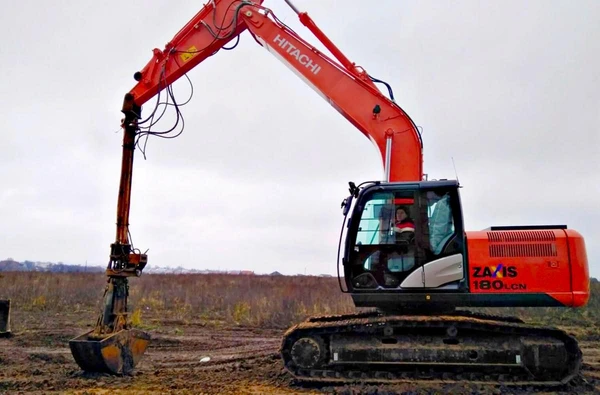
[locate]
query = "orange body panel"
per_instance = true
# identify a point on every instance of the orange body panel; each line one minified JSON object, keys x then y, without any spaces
{"x":580,"y":274}
{"x":553,"y":262}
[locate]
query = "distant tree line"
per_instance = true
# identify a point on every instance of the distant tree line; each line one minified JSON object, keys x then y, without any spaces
{"x":10,"y":265}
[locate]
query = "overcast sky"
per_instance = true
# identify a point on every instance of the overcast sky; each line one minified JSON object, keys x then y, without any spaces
{"x":510,"y":90}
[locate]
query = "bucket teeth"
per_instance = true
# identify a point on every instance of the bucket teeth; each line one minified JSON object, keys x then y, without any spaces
{"x":4,"y":317}
{"x":118,"y":353}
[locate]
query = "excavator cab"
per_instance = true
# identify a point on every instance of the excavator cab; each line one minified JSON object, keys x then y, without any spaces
{"x":404,"y":237}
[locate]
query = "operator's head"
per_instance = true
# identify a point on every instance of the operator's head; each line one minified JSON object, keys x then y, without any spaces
{"x":401,"y":213}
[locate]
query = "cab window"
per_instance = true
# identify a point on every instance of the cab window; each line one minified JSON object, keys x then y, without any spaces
{"x":378,"y":217}
{"x":441,"y":223}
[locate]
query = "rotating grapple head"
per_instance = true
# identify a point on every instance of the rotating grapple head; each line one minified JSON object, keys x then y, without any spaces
{"x":112,"y":346}
{"x":118,"y":353}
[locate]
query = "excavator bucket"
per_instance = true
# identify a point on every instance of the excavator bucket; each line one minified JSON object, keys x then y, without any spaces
{"x":117,"y":354}
{"x":4,"y":317}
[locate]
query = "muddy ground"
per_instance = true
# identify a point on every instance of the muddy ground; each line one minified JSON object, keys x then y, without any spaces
{"x":37,"y":359}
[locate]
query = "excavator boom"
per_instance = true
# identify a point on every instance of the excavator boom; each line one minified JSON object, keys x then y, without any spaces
{"x":346,"y":87}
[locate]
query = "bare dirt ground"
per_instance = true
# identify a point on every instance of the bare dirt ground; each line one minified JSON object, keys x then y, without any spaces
{"x":243,"y":360}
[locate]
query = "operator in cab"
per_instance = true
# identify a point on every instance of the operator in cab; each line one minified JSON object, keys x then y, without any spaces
{"x":404,"y":226}
{"x":403,"y":221}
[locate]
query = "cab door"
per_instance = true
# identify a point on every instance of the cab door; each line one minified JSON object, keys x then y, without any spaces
{"x":444,"y":244}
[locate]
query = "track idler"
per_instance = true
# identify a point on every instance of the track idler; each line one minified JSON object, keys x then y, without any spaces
{"x":113,"y":346}
{"x":4,"y":318}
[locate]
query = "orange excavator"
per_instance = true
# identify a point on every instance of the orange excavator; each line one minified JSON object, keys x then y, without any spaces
{"x":403,"y":249}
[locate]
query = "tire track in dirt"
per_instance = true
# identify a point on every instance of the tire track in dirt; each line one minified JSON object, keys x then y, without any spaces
{"x":180,"y":352}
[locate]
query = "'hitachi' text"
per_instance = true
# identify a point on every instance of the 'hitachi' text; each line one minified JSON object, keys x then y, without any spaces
{"x":303,"y":59}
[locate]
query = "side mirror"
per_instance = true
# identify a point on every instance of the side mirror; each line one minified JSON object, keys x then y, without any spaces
{"x":346,"y":205}
{"x":353,"y":189}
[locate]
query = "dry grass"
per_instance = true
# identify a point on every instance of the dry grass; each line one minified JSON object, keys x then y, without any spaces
{"x":53,"y":292}
{"x":273,"y":301}
{"x":236,"y":299}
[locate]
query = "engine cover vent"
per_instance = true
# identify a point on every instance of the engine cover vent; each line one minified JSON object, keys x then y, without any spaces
{"x":521,"y":236}
{"x":522,"y":250}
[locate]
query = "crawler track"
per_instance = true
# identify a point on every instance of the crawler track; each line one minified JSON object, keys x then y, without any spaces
{"x":460,"y":346}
